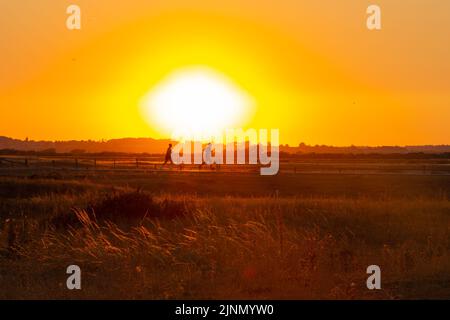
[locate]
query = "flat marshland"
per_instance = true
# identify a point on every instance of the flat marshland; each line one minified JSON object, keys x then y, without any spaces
{"x":217,"y":235}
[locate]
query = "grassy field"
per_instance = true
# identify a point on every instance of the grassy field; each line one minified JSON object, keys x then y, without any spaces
{"x":169,"y":235}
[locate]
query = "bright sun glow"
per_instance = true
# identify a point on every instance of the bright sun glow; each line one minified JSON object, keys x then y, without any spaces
{"x":196,"y":101}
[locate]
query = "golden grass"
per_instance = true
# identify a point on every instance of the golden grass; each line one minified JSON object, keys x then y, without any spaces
{"x":235,"y":248}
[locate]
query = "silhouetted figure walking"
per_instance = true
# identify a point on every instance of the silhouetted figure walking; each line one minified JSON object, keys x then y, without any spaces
{"x":207,"y":154}
{"x":168,"y":157}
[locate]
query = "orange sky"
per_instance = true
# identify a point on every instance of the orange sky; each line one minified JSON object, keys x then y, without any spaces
{"x":312,"y":67}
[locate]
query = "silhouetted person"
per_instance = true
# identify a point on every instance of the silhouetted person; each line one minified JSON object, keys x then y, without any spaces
{"x":207,"y":154}
{"x":207,"y":157}
{"x":168,"y":157}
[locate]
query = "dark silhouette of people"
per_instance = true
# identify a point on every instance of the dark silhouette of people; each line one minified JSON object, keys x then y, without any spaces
{"x":168,"y":157}
{"x":207,"y":154}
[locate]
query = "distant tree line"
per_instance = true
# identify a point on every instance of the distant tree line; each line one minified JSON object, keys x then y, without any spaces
{"x":283,"y":154}
{"x":52,"y":152}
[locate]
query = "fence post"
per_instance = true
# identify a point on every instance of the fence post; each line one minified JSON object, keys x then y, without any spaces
{"x":26,"y":162}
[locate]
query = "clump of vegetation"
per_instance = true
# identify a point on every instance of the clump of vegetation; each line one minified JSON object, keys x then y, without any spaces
{"x":136,"y":206}
{"x":124,"y":208}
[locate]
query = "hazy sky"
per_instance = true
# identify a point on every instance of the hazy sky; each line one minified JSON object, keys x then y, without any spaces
{"x":312,"y":67}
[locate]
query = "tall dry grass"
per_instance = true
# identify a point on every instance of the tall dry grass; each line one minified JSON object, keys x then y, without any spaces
{"x":231,"y":247}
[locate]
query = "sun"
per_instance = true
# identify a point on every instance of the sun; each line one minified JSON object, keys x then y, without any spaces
{"x":197,"y":102}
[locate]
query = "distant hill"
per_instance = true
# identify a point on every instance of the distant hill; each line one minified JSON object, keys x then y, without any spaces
{"x":159,"y":146}
{"x":128,"y":145}
{"x":304,"y":148}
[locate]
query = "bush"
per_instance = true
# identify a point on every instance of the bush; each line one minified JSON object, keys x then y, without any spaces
{"x":125,"y":208}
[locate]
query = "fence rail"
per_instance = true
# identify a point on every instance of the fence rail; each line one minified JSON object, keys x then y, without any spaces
{"x":155,"y":163}
{"x":108,"y":163}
